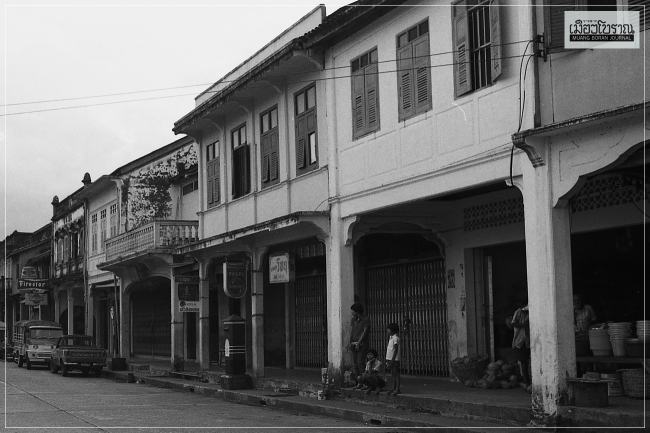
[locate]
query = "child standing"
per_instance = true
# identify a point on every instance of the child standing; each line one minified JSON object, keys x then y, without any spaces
{"x":393,"y":356}
{"x":373,"y":377}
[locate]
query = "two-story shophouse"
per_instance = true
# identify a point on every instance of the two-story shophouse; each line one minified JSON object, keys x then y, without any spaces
{"x":136,"y":216}
{"x":68,"y":261}
{"x":8,"y":245}
{"x":453,"y":136}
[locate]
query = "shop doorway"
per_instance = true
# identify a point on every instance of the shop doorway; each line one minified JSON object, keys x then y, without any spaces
{"x":151,"y":317}
{"x":404,"y":279}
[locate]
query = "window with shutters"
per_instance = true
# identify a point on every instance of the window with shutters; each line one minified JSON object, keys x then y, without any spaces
{"x":269,"y":152}
{"x":414,"y":71}
{"x":306,"y":137}
{"x":213,"y":189}
{"x":477,"y":44}
{"x":240,"y":162}
{"x":113,"y":219}
{"x":102,"y":229}
{"x":93,"y":226}
{"x":554,"y":16}
{"x":365,"y":94}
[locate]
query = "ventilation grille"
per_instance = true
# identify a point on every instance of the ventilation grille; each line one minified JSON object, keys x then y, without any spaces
{"x":494,"y":214}
{"x":613,"y":190}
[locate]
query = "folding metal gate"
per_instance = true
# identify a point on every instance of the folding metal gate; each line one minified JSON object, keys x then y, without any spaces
{"x":412,"y":293}
{"x":311,"y":321}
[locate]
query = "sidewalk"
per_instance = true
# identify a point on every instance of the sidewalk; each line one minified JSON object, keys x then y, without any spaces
{"x":424,"y":402}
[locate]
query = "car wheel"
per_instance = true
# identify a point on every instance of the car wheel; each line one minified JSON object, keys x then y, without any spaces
{"x":28,"y":363}
{"x":64,"y":370}
{"x":20,"y":361}
{"x":98,"y":372}
{"x":85,"y":371}
{"x":53,"y":368}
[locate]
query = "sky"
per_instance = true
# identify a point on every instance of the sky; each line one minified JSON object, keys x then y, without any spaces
{"x":69,"y":52}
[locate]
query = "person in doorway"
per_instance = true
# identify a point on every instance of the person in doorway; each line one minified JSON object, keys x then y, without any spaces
{"x":583,"y":315}
{"x":358,"y":338}
{"x":521,"y":342}
{"x":373,"y":377}
{"x":393,"y":357}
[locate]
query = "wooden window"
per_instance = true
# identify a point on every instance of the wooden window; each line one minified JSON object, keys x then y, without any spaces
{"x":477,"y":44}
{"x":365,"y":94}
{"x":240,"y":162}
{"x":213,"y":174}
{"x":102,"y":229}
{"x":93,"y":219}
{"x":554,"y":16}
{"x":269,"y":151}
{"x":190,"y":187}
{"x":113,"y":220}
{"x":414,"y":71}
{"x":306,"y":137}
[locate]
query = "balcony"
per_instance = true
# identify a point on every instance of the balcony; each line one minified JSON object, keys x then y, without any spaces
{"x":69,"y":267}
{"x":159,"y":234}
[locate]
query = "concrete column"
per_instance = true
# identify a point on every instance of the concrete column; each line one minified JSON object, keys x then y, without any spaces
{"x":257,"y":301}
{"x":57,"y":306}
{"x":204,"y":316}
{"x":90,"y":312}
{"x":550,"y":291}
{"x":178,"y":348}
{"x":124,"y":316}
{"x":340,"y":295}
{"x":70,"y":294}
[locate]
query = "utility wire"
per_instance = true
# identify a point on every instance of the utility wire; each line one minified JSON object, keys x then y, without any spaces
{"x":232,"y":81}
{"x":258,"y":86}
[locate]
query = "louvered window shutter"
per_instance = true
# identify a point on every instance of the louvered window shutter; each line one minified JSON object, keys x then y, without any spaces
{"x":644,"y":15}
{"x":372,"y":97}
{"x":213,"y":182}
{"x":495,"y":38}
{"x":405,"y":81}
{"x":210,"y":184}
{"x":422,"y":68}
{"x":216,"y":185}
{"x":265,"y":156}
{"x":554,"y":22}
{"x":274,"y":151}
{"x":358,"y":111}
{"x":301,"y":127}
{"x":246,"y":169}
{"x":462,"y":69}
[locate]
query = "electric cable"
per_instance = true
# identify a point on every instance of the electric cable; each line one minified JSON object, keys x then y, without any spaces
{"x":260,"y":86}
{"x":521,"y":106}
{"x":232,"y":81}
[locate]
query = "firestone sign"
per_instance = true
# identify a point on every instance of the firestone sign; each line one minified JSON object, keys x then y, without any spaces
{"x":26,"y":284}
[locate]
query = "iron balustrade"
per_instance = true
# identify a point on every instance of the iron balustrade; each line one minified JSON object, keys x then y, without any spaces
{"x":156,"y":234}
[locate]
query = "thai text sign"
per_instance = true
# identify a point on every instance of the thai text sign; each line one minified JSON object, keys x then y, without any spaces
{"x":279,"y":268}
{"x":188,"y":294}
{"x":234,"y":279}
{"x":601,"y":29}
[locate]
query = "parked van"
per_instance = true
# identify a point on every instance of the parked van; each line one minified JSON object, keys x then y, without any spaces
{"x":34,"y":341}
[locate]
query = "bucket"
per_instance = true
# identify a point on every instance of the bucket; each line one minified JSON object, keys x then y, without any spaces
{"x":614,"y":384}
{"x":599,"y":340}
{"x":618,"y":346}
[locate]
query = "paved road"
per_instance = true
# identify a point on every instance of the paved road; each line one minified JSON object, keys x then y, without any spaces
{"x":39,"y":401}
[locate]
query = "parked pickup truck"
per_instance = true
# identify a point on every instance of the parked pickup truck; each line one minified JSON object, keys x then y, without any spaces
{"x":77,"y":352}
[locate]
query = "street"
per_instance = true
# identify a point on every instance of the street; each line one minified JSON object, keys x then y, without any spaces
{"x":37,"y":400}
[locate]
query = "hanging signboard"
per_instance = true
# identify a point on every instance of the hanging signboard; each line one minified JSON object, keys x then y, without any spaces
{"x":279,"y":268}
{"x":28,"y":272}
{"x":35,"y":299}
{"x":188,"y":294}
{"x":27,"y":284}
{"x":234,"y":279}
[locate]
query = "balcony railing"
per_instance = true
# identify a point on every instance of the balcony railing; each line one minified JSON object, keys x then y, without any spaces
{"x":69,"y":267}
{"x":157,"y":234}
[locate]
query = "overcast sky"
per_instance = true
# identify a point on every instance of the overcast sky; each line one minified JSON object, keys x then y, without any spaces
{"x":56,"y":52}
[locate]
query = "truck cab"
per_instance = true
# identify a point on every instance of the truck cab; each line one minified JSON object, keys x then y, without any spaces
{"x":34,"y":340}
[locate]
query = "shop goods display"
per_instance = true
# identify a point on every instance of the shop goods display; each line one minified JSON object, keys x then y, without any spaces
{"x":599,"y":342}
{"x":614,"y":383}
{"x":618,"y":334}
{"x":643,"y":329}
{"x":634,"y":347}
{"x":635,"y":383}
{"x":496,"y":375}
{"x":469,"y":367}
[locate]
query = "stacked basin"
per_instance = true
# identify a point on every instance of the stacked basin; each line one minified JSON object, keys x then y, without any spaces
{"x":599,"y":342}
{"x":619,"y":332}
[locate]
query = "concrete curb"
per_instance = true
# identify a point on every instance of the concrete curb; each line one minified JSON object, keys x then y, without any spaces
{"x":340,"y":408}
